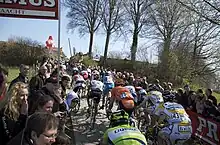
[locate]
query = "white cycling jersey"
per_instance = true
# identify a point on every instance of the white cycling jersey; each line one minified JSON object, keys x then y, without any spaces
{"x":78,"y":78}
{"x":97,"y":85}
{"x":131,"y":89}
{"x":178,"y":128}
{"x":174,"y":113}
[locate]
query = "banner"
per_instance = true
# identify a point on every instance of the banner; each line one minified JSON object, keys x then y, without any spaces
{"x":206,"y":129}
{"x":40,"y":9}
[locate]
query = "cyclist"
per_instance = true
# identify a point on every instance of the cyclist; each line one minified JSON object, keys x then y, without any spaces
{"x":133,"y":92}
{"x":109,"y":84}
{"x":71,"y":96}
{"x":141,"y":94}
{"x":153,"y":102}
{"x":121,"y":133}
{"x":78,"y":80}
{"x":123,"y":96}
{"x":96,"y":89}
{"x":177,"y":127}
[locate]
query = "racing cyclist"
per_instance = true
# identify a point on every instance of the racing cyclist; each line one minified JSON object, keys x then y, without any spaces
{"x":177,"y":127}
{"x":121,"y":133}
{"x":78,"y":80}
{"x":122,"y":95}
{"x":96,"y":89}
{"x":108,"y":85}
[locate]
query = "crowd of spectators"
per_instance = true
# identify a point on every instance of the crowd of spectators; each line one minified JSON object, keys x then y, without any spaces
{"x":203,"y":103}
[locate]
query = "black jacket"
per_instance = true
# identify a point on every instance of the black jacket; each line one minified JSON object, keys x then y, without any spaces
{"x":20,"y":78}
{"x":10,"y":128}
{"x":20,"y":139}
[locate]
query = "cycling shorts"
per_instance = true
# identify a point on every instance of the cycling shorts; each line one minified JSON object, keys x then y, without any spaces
{"x":97,"y":94}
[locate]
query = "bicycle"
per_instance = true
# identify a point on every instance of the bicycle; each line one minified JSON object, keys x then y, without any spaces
{"x":94,"y":107}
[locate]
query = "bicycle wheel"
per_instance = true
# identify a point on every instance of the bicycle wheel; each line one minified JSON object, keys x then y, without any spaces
{"x":141,"y":125}
{"x":93,"y":114}
{"x":107,"y":102}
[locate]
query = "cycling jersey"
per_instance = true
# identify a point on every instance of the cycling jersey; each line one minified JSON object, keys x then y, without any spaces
{"x":154,"y":102}
{"x":178,"y":127}
{"x":85,"y":74}
{"x":97,"y":85}
{"x":174,"y":113}
{"x":124,"y":135}
{"x":109,"y":84}
{"x":78,"y":78}
{"x":124,"y":96}
{"x":108,"y":80}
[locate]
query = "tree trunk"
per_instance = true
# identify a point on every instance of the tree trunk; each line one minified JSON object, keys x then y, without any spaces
{"x":165,"y":71}
{"x":106,"y":48}
{"x":91,"y":43}
{"x":134,"y":46}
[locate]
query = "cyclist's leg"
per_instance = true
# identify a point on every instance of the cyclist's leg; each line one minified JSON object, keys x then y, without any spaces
{"x":105,"y":94}
{"x":164,"y":135}
{"x":89,"y":96}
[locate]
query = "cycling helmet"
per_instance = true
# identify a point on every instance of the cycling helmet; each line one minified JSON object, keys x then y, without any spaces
{"x":108,"y":73}
{"x":142,"y":92}
{"x":75,"y":71}
{"x":119,"y":82}
{"x":118,"y":118}
{"x":153,"y":87}
{"x":168,"y":96}
{"x":95,"y":72}
{"x":96,"y":77}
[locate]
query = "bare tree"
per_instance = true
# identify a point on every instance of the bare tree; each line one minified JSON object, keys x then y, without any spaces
{"x":86,"y":15}
{"x":112,"y":21}
{"x":167,"y":17}
{"x":207,"y":9}
{"x":119,"y":54}
{"x":136,"y":15}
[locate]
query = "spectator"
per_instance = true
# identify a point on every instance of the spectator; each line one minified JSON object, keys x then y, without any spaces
{"x":208,"y":93}
{"x":23,"y":75}
{"x":38,"y":81}
{"x":62,"y":139}
{"x":53,"y":89}
{"x":210,"y":110}
{"x":41,"y":129}
{"x":192,"y":102}
{"x":179,"y":96}
{"x":65,"y":83}
{"x":43,"y":104}
{"x":49,"y":70}
{"x":157,"y":83}
{"x":14,"y":114}
{"x":3,"y":85}
{"x":200,"y":100}
{"x":186,"y":96}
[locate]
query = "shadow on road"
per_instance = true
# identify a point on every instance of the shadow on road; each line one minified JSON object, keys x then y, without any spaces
{"x":84,"y":135}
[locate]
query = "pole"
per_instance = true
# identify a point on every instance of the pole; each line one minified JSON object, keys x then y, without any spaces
{"x":70,"y":47}
{"x":59,"y":19}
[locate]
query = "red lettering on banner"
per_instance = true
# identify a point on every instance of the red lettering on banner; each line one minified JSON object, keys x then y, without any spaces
{"x":40,"y":9}
{"x":46,"y":3}
{"x":206,"y":129}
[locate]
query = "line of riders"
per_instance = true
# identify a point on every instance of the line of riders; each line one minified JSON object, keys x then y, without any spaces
{"x":160,"y":119}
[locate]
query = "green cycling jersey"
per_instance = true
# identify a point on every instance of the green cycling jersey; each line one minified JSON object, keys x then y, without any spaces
{"x":124,"y":135}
